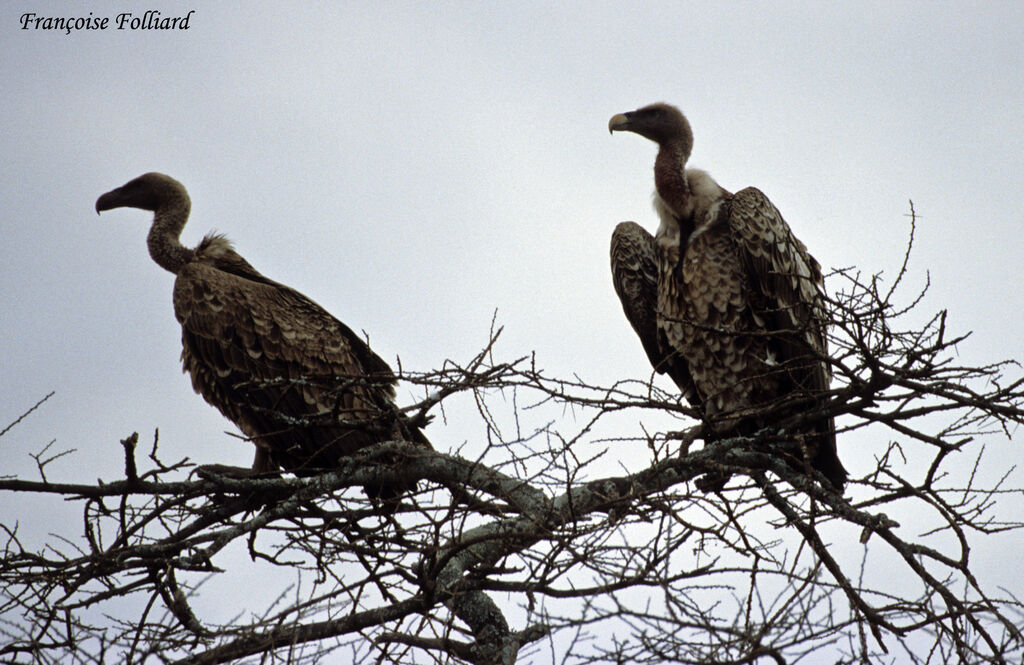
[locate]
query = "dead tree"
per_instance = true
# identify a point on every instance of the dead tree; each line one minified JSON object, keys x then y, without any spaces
{"x":569,"y":531}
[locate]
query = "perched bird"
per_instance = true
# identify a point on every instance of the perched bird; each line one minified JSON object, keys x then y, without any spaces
{"x":298,"y":382}
{"x":725,"y":299}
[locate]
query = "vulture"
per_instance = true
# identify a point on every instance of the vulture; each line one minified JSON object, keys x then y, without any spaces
{"x":726,"y":300}
{"x":298,"y":382}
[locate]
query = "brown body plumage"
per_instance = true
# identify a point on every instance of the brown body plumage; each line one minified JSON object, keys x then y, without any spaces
{"x":297,"y":381}
{"x":739,"y":321}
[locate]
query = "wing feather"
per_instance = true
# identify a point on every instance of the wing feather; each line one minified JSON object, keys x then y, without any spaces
{"x":784,"y":280}
{"x":635,"y":277}
{"x":296,"y":380}
{"x":784,"y":292}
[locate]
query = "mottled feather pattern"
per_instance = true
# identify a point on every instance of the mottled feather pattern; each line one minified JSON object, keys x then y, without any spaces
{"x":755,"y":333}
{"x":278,"y":364}
{"x":710,"y":332}
{"x":305,"y":388}
{"x":786,"y":278}
{"x":741,"y":303}
{"x":738,"y":297}
{"x":747,"y":282}
{"x":635,"y":277}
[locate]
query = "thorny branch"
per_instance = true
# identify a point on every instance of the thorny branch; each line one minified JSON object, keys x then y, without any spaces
{"x":566,"y":531}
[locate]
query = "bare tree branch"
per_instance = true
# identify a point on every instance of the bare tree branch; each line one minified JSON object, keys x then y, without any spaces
{"x":567,"y":531}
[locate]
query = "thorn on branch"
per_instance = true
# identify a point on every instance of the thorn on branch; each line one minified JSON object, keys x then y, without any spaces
{"x":24,"y":415}
{"x":41,"y":463}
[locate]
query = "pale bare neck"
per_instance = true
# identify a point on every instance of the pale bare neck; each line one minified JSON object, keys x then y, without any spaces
{"x":670,"y":178}
{"x":163,"y":241}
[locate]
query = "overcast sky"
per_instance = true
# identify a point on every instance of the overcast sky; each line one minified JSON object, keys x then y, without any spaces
{"x":414,"y":167}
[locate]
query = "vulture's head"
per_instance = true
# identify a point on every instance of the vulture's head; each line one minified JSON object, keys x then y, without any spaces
{"x":148,"y":192}
{"x":661,"y":123}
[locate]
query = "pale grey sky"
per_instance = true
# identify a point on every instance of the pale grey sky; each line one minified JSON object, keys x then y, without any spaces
{"x":415,"y":166}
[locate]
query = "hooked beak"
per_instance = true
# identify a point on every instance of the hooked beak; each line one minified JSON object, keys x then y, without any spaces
{"x":107,"y":201}
{"x":619,"y":122}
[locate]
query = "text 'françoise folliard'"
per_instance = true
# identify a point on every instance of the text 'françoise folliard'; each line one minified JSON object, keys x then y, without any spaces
{"x":150,"y":20}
